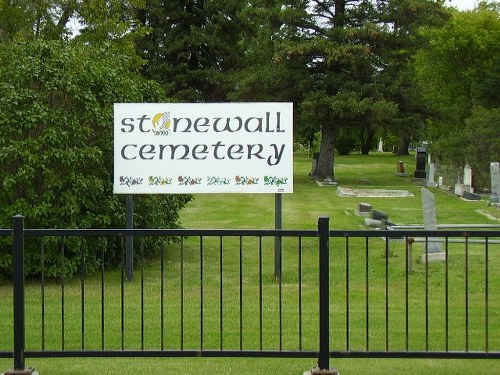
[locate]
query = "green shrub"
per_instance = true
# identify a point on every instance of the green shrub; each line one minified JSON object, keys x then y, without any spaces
{"x":56,"y":146}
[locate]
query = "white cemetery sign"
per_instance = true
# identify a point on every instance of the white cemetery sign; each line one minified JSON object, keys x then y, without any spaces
{"x":169,"y":148}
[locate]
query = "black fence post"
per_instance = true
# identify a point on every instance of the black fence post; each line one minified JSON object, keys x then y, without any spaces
{"x":324,"y":299}
{"x":18,"y":257}
{"x":18,"y":280}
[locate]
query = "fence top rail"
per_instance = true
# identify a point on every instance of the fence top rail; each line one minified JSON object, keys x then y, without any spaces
{"x":415,"y":233}
{"x":169,"y":232}
{"x":251,"y":233}
{"x":446,"y":226}
{"x":5,"y":232}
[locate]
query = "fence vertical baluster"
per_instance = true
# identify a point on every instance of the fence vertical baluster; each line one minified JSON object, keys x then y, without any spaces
{"x":221,"y":296}
{"x":122,"y":293}
{"x":408,"y":261}
{"x":466,"y":294}
{"x":42,"y":267}
{"x":103,"y":245}
{"x":241,"y":292}
{"x":447,"y":295}
{"x":300,"y":293}
{"x":201,"y":293}
{"x":386,"y":294}
{"x":162,"y":295}
{"x":486,"y":297}
{"x":426,"y":294}
{"x":182,"y":293}
{"x":63,"y":276}
{"x":142,"y":293}
{"x":82,"y":296}
{"x":260,"y":295}
{"x":280,"y":301}
{"x":347,"y":298}
{"x":367,"y":295}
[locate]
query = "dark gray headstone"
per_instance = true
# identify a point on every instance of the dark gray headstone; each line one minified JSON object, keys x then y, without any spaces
{"x":379,"y":215}
{"x":471,"y":196}
{"x":421,"y":160}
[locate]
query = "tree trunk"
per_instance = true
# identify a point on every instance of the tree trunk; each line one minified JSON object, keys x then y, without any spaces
{"x":403,"y":148}
{"x":324,"y":166}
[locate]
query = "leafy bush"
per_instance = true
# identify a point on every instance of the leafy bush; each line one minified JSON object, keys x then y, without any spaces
{"x":475,"y":144}
{"x":56,"y":145}
{"x":345,"y":143}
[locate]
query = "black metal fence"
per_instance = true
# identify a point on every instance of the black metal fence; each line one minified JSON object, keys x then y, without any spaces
{"x":213,"y":293}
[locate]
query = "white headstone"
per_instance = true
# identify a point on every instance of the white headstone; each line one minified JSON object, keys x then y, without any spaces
{"x":380,"y":145}
{"x":467,"y":175}
{"x":430,"y":175}
{"x":495,"y":178}
{"x":430,"y":220}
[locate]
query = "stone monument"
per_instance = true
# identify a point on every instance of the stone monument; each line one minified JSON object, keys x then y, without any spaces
{"x":429,"y":175}
{"x":380,"y":145}
{"x":364,"y":209}
{"x":466,"y":184}
{"x":432,"y":249}
{"x":400,"y":169}
{"x":495,"y":182}
{"x":421,"y":161}
{"x":468,"y":178}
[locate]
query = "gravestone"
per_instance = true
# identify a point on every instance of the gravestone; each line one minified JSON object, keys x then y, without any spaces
{"x":495,"y":179}
{"x":468,"y":178}
{"x":314,"y":162}
{"x":471,"y":196}
{"x":459,"y":189}
{"x":374,"y":223}
{"x":429,"y":178}
{"x":432,"y":249}
{"x":364,"y":209}
{"x":380,"y":145}
{"x":400,"y":169}
{"x":465,"y":185}
{"x":421,"y":159}
{"x":379,"y":215}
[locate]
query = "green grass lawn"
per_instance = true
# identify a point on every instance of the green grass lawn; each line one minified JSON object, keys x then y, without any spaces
{"x":309,"y":201}
{"x":300,"y":211}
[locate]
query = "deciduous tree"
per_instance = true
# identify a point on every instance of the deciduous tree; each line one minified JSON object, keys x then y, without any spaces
{"x":56,"y":106}
{"x":459,"y":72}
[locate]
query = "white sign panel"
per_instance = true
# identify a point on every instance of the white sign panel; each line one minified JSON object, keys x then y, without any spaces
{"x":173,"y":148}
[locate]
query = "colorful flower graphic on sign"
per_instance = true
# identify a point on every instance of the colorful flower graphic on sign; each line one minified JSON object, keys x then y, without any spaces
{"x":273,"y":180}
{"x":159,"y":181}
{"x":188,"y":180}
{"x":245,"y":180}
{"x":213,"y":180}
{"x":130,"y":181}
